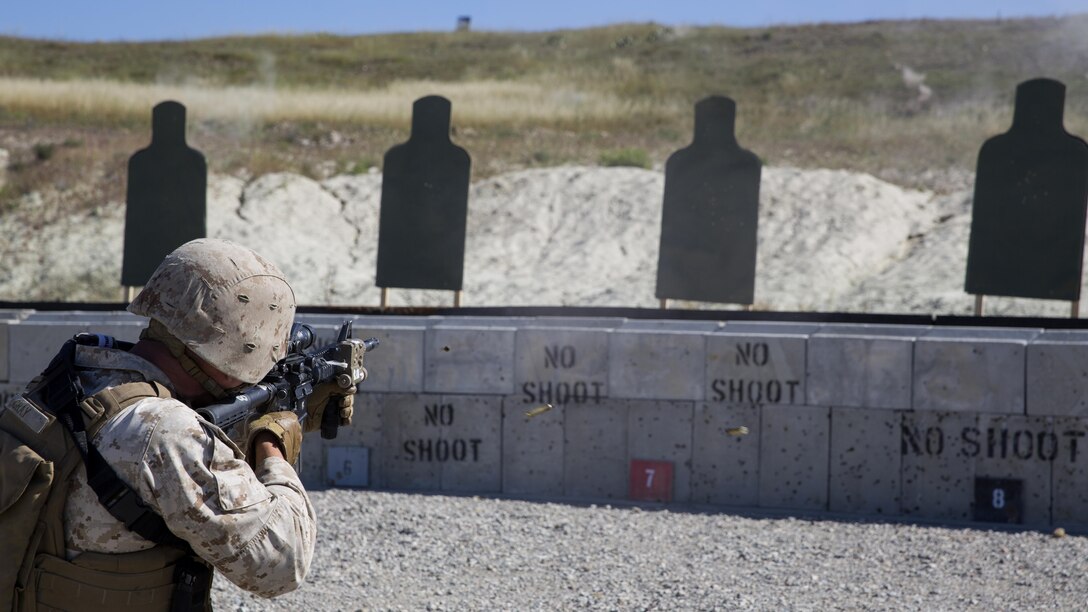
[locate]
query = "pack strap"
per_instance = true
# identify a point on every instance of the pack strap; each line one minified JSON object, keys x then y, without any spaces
{"x":58,"y":389}
{"x":129,"y":393}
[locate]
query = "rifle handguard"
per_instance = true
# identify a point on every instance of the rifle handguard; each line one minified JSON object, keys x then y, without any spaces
{"x":291,"y":383}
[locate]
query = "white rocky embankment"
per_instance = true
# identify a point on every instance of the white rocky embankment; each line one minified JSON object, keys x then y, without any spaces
{"x":829,"y":240}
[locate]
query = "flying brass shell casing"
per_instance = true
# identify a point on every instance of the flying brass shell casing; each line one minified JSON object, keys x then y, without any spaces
{"x":539,"y":410}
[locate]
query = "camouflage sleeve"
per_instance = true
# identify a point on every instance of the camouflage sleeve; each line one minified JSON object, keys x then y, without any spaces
{"x":257,"y":529}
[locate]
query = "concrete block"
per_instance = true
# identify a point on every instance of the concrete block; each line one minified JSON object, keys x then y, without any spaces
{"x":938,"y":469}
{"x":944,"y":452}
{"x":368,"y":416}
{"x":861,"y":366}
{"x":725,"y":466}
{"x":365,"y":431}
{"x":661,"y":431}
{"x":675,"y":325}
{"x":878,"y":330}
{"x":8,"y":316}
{"x":311,"y":463}
{"x":1057,"y":374}
{"x":656,"y":365}
{"x":755,"y":368}
{"x":486,"y":322}
{"x":561,"y":366}
{"x":1021,"y":448}
{"x":1025,"y":334}
{"x":1070,"y":473}
{"x":32,"y":344}
{"x":441,"y":442}
{"x":396,"y":366}
{"x":474,"y":438}
{"x":866,"y":461}
{"x":595,"y":450}
{"x":368,"y":321}
{"x":759,"y":328}
{"x":348,"y":466}
{"x":409,"y":428}
{"x":577,"y":322}
{"x":472,"y":360}
{"x":971,"y":370}
{"x":794,"y":445}
{"x":532,"y":450}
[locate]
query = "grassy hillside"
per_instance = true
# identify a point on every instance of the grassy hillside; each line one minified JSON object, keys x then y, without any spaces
{"x":837,"y":96}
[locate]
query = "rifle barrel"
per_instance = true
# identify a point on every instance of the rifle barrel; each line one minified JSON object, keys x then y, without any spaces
{"x":228,"y":413}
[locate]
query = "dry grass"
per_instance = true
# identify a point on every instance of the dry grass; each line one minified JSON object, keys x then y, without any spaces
{"x":485,"y":102}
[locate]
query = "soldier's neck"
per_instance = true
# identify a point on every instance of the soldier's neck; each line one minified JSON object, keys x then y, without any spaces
{"x":188,"y":388}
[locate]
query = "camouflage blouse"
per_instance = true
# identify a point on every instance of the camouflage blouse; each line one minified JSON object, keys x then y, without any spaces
{"x":258,"y":529}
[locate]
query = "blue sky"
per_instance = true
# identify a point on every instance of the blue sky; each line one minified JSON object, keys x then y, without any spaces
{"x":92,"y":20}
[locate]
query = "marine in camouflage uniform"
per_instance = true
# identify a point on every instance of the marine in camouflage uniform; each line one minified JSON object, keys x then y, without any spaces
{"x":256,"y":527}
{"x":220,"y":318}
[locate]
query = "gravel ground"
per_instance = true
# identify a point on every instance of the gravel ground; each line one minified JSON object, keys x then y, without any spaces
{"x":396,"y":551}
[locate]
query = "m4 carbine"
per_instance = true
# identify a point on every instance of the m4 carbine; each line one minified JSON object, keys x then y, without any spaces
{"x":291,"y":382}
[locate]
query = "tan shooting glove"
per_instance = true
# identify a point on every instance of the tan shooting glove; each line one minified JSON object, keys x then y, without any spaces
{"x":315,"y":404}
{"x":284,"y":425}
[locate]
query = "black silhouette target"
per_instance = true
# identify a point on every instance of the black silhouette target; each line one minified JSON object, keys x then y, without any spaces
{"x":166,"y":199}
{"x":710,"y":213}
{"x":424,"y":206}
{"x":1031,"y":190}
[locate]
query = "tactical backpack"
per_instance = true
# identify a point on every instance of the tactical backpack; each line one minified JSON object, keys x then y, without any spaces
{"x":44,"y":435}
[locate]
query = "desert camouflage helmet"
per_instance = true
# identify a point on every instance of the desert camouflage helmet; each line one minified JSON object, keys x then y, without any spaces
{"x":225,"y":303}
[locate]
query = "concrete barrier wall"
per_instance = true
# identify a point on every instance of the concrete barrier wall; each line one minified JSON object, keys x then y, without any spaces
{"x":943,"y":423}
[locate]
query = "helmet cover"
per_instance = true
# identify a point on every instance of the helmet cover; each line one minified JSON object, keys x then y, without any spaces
{"x":225,"y":303}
